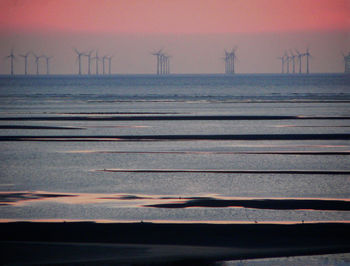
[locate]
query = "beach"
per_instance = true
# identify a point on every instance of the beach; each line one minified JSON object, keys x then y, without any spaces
{"x":185,"y":169}
{"x":142,"y":243}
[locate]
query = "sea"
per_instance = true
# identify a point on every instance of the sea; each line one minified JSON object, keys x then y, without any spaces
{"x":243,"y":148}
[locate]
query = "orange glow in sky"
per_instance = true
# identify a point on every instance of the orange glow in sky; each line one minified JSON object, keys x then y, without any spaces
{"x":173,"y":16}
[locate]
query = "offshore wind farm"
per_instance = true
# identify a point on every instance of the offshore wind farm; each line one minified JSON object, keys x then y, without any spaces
{"x":290,"y":62}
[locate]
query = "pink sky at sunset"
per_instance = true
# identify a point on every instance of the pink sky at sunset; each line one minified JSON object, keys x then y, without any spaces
{"x":174,"y":16}
{"x":194,"y":32}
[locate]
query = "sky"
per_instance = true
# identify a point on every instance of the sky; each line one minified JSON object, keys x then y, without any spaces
{"x":194,"y":32}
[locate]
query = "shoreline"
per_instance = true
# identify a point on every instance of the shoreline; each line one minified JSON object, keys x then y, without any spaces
{"x":67,"y":242}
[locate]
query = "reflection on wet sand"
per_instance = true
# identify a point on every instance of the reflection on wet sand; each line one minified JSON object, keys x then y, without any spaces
{"x":38,"y":127}
{"x":228,"y":171}
{"x":277,"y":152}
{"x":276,"y":204}
{"x":194,"y":137}
{"x":102,"y":117}
{"x":331,"y":126}
{"x":166,"y":201}
{"x":169,"y":221}
{"x":11,"y":198}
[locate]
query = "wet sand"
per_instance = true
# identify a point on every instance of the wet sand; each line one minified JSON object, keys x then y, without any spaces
{"x":273,"y":204}
{"x":179,"y":137}
{"x":88,"y":242}
{"x":229,"y":171}
{"x":38,"y":127}
{"x":171,"y":202}
{"x":171,"y":117}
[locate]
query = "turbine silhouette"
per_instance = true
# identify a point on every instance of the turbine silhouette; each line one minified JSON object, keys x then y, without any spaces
{"x":89,"y":61}
{"x":25,"y":56}
{"x":105,"y":57}
{"x":167,"y":64}
{"x":109,"y":58}
{"x":12,"y":57}
{"x":346,"y":62}
{"x":159,"y":59}
{"x":97,"y":58}
{"x":300,"y":56}
{"x":293,"y":56}
{"x":233,"y":58}
{"x":47,"y":58}
{"x":37,"y":61}
{"x":79,"y":55}
{"x":282,"y":58}
{"x":308,"y":55}
{"x":229,"y":59}
{"x":162,"y":64}
{"x":287,"y":58}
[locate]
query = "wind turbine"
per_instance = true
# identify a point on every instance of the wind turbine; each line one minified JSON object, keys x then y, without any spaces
{"x":47,"y":58}
{"x":166,"y":64}
{"x":227,"y":62}
{"x":109,"y":58}
{"x":79,"y":55}
{"x":105,"y":57}
{"x":25,"y":56}
{"x":288,"y":60}
{"x":300,"y":56}
{"x":158,"y":54}
{"x":282,"y":58}
{"x":97,"y":58}
{"x":346,"y":62}
{"x":12,"y":57}
{"x":37,"y":61}
{"x":163,"y":64}
{"x":233,"y":57}
{"x":293,"y":60}
{"x":308,"y":55}
{"x":89,"y":61}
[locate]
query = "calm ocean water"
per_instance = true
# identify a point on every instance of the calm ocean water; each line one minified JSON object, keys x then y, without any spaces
{"x":178,"y":148}
{"x":209,"y":148}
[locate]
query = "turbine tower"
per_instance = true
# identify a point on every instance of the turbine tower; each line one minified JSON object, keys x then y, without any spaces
{"x":12,"y":57}
{"x":300,"y":56}
{"x":79,"y":55}
{"x":109,"y":58}
{"x":287,"y":58}
{"x":282,"y":58}
{"x":89,"y":61}
{"x":162,"y":64}
{"x":47,"y":58}
{"x":293,"y":56}
{"x":97,"y":58}
{"x":158,"y":55}
{"x":37,"y":61}
{"x":308,"y":55}
{"x":230,"y":61}
{"x":105,"y":57}
{"x":233,"y":58}
{"x":25,"y":56}
{"x":346,"y":63}
{"x":227,"y":64}
{"x":167,"y":64}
